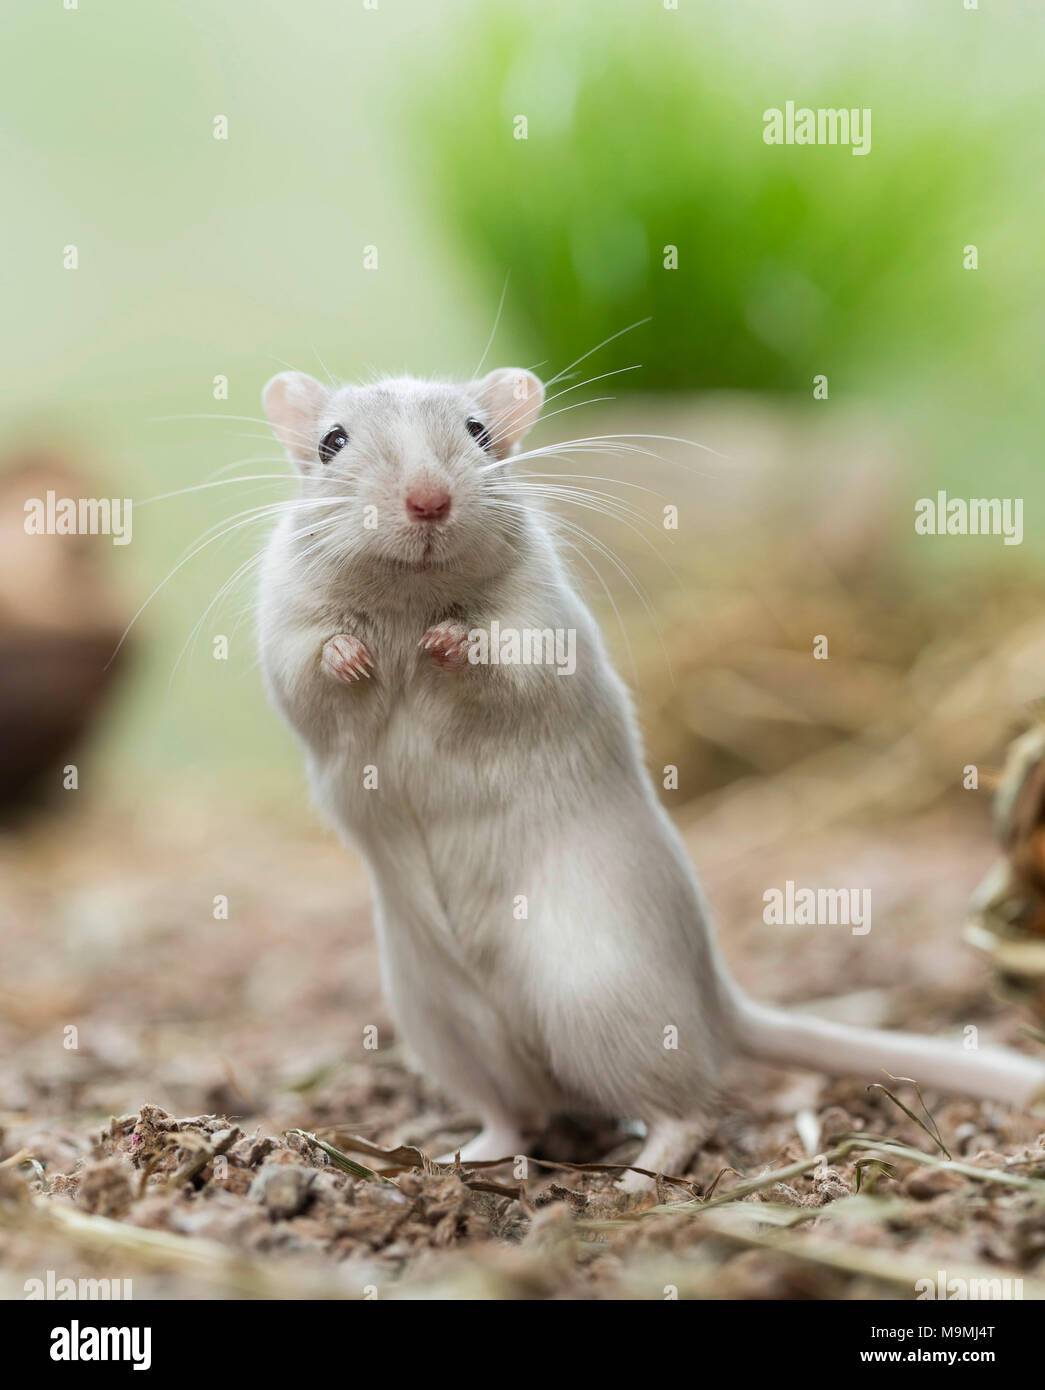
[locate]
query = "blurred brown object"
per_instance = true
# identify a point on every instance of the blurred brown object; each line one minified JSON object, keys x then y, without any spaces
{"x":59,"y":624}
{"x":1008,"y":916}
{"x":801,"y":533}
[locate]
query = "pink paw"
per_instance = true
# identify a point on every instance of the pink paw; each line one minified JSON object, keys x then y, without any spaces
{"x":346,"y":659}
{"x":447,"y":646}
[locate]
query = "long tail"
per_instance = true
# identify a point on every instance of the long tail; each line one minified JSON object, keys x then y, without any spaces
{"x":993,"y":1073}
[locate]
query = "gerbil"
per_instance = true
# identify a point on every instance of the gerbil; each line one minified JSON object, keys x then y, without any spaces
{"x":539,"y":923}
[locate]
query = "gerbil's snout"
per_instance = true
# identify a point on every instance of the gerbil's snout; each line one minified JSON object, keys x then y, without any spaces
{"x":427,"y":501}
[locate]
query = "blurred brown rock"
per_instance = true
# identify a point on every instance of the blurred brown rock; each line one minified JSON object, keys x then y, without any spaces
{"x":59,"y":624}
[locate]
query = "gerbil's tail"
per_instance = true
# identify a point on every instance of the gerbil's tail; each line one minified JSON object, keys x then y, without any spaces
{"x":993,"y":1073}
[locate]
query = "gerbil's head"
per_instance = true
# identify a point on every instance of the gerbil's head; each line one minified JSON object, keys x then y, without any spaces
{"x":405,"y":473}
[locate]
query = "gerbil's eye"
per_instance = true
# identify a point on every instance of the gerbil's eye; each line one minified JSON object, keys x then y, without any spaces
{"x":479,"y":432}
{"x":332,"y":443}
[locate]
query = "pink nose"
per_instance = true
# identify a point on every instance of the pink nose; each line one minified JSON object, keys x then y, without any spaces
{"x":427,"y":502}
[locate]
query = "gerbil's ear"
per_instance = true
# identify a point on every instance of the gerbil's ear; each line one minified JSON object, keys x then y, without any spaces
{"x":292,"y":402}
{"x":512,"y":397}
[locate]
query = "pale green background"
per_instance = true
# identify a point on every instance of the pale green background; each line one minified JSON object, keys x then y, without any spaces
{"x":200,"y":257}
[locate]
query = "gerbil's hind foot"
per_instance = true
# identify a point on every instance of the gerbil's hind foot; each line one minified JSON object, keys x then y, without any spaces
{"x":447,"y":646}
{"x":345,"y":659}
{"x":669,"y":1146}
{"x":495,"y":1141}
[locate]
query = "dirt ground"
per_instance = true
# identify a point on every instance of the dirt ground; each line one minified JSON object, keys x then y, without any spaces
{"x":154,"y":1059}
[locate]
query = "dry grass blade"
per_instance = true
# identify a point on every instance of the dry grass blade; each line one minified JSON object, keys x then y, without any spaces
{"x":718,"y":1178}
{"x":875,"y":1168}
{"x":407,"y":1157}
{"x":163,"y":1251}
{"x":992,"y":1176}
{"x":759,"y":1184}
{"x":342,"y":1160}
{"x":895,"y":1270}
{"x":498,"y":1189}
{"x":613,"y":1168}
{"x":850,"y":1144}
{"x":404,"y":1156}
{"x":931,"y":1129}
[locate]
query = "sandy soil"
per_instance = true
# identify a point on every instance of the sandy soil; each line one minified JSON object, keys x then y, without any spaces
{"x":151,"y":1142}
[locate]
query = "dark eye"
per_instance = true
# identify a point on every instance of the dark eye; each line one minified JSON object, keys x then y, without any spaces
{"x":332,"y":443}
{"x":479,"y":432}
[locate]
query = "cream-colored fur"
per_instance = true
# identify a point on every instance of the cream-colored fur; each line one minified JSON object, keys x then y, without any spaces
{"x":542,"y":933}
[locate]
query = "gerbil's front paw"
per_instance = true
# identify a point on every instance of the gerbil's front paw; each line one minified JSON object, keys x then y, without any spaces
{"x":447,"y":646}
{"x":345,"y":659}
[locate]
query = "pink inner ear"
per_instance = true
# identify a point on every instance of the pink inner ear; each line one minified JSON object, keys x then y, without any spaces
{"x":514,"y":398}
{"x":291,"y":401}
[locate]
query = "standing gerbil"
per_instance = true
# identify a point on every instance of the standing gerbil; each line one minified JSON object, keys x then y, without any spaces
{"x":471,"y":789}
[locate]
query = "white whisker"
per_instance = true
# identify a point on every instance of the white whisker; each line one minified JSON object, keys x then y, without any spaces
{"x":493,"y":330}
{"x":591,"y":351}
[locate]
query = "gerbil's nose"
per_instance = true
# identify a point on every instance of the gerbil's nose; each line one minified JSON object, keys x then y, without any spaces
{"x":427,"y":502}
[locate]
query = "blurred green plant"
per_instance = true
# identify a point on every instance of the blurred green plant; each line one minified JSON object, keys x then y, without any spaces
{"x":641,"y":136}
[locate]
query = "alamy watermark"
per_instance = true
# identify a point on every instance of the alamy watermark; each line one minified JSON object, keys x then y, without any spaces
{"x":825,"y":126}
{"x":528,"y":646}
{"x":51,"y":1287}
{"x":974,"y":516}
{"x":818,"y":907}
{"x":79,"y":516}
{"x":943,"y":1288}
{"x":79,"y":1343}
